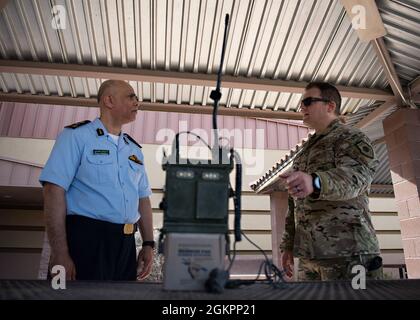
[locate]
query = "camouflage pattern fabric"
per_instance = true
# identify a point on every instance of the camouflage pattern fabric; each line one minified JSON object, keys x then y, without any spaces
{"x":338,"y":222}
{"x":337,"y":269}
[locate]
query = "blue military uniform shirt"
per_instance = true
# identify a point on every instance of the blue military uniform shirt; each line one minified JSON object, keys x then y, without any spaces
{"x":102,"y":180}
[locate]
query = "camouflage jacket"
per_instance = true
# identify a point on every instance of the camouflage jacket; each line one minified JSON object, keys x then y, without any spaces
{"x":338,"y":222}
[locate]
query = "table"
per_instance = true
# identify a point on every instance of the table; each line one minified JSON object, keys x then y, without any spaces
{"x":86,"y":290}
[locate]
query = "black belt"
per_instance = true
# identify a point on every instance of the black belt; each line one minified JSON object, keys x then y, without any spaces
{"x":125,"y":228}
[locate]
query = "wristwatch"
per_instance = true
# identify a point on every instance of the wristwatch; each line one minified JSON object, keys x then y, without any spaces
{"x":148,"y":243}
{"x":316,"y":183}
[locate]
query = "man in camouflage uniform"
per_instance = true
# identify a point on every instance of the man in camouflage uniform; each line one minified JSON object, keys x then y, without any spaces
{"x":328,"y":226}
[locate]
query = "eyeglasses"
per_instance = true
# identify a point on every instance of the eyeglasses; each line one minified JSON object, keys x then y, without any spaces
{"x":309,"y":100}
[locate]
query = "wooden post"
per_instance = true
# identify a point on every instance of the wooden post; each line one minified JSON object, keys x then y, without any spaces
{"x":279,"y":207}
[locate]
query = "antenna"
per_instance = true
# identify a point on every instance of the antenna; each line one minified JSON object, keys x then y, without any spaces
{"x":216,"y":94}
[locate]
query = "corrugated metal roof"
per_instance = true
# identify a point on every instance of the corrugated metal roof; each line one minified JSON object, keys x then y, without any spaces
{"x":382,"y":175}
{"x":375,"y":130}
{"x":290,"y":40}
{"x":302,"y":40}
{"x":402,"y":23}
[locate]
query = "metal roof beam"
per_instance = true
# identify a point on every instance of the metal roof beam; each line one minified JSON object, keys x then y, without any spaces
{"x":185,"y":78}
{"x":375,"y":114}
{"x":415,"y":86}
{"x":163,"y":107}
{"x":391,"y":74}
{"x":378,"y":141}
{"x":372,"y":29}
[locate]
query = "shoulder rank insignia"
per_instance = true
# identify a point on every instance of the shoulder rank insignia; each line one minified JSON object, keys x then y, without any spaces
{"x":132,"y":140}
{"x":134,"y":158}
{"x":78,"y":124}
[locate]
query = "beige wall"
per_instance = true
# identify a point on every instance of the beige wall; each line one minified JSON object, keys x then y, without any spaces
{"x":21,"y":233}
{"x":21,"y":238}
{"x":34,"y":151}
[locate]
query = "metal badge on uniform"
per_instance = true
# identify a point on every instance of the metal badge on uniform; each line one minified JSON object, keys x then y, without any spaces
{"x":134,"y":158}
{"x":100,"y":132}
{"x":102,"y":152}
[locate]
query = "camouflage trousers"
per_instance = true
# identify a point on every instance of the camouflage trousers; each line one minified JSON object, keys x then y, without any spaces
{"x":339,"y":268}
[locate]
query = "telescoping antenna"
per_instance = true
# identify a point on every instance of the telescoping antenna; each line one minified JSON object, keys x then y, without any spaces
{"x":216,"y":94}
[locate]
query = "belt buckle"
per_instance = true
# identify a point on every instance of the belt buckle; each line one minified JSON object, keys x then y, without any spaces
{"x":128,"y":228}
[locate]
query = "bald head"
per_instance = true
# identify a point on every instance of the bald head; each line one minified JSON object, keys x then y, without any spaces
{"x":109,"y":87}
{"x":118,"y":104}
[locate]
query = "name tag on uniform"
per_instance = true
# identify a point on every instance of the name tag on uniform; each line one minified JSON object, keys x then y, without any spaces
{"x":102,"y":152}
{"x":134,"y":158}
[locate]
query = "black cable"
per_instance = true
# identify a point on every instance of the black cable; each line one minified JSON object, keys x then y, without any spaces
{"x":194,"y":134}
{"x":237,"y":196}
{"x":233,"y":258}
{"x":234,"y":156}
{"x":274,"y":275}
{"x":255,"y":245}
{"x":177,"y":143}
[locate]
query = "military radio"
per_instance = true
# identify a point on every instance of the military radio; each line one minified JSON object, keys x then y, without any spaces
{"x":195,"y":234}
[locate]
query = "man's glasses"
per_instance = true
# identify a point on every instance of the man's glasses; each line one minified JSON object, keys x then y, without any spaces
{"x":309,"y":100}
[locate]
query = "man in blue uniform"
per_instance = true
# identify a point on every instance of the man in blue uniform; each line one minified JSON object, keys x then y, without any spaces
{"x":96,"y":192}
